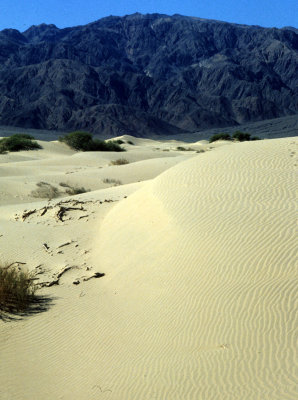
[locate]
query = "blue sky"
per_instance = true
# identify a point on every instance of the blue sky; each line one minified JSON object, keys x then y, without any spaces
{"x":20,"y":14}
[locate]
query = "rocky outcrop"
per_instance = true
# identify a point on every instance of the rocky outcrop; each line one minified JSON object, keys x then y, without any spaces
{"x":145,"y":74}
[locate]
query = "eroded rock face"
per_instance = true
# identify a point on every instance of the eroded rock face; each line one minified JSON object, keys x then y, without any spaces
{"x":145,"y":74}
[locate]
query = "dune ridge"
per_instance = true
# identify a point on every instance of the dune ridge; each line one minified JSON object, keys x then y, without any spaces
{"x":228,"y":284}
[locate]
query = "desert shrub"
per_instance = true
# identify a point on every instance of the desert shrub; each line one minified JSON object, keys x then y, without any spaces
{"x":200,"y":151}
{"x":120,"y":161}
{"x":241,"y":136}
{"x":117,"y":141}
{"x":255,"y":138}
{"x":18,"y":142}
{"x":130,"y":142}
{"x":115,"y":182}
{"x":72,"y":190}
{"x":24,"y":136}
{"x":64,"y":184}
{"x":17,"y":289}
{"x":219,"y":136}
{"x":107,"y":146}
{"x":45,"y":191}
{"x":78,"y":140}
{"x":180,"y":148}
{"x":83,"y":141}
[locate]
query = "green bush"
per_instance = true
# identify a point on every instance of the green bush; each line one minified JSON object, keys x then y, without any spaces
{"x":238,"y":135}
{"x":83,"y":141}
{"x":18,"y":142}
{"x":24,"y":136}
{"x":118,"y":141}
{"x":107,"y":146}
{"x":78,"y":140}
{"x":17,"y":289}
{"x":241,"y":136}
{"x":219,"y":136}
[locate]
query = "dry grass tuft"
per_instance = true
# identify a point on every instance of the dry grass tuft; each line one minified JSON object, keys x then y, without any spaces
{"x":120,"y":161}
{"x":45,"y":191}
{"x":180,"y":148}
{"x":115,"y":182}
{"x":72,"y":190}
{"x":17,"y":289}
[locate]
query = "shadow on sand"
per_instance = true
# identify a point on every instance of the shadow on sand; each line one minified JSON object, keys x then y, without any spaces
{"x":38,"y":304}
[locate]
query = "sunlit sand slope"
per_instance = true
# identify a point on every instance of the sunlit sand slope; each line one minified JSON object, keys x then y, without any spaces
{"x":198,"y":297}
{"x":203,"y":261}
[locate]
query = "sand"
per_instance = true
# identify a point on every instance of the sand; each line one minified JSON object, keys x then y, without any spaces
{"x":198,"y":296}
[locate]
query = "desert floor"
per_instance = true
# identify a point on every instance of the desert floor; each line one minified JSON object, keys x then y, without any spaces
{"x":172,"y":278}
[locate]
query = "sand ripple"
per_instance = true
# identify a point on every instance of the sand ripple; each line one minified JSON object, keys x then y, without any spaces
{"x":199,"y":297}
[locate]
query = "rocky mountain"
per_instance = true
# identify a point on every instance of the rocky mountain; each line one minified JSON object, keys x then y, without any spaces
{"x":145,"y":74}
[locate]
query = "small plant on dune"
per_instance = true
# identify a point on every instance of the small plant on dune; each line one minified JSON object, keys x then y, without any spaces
{"x":180,"y":148}
{"x":118,"y":141}
{"x":17,"y":289}
{"x":83,"y":141}
{"x":18,"y":142}
{"x":241,"y":136}
{"x":219,"y":136}
{"x":244,"y":137}
{"x":72,"y":190}
{"x":238,"y":135}
{"x":45,"y":191}
{"x":200,"y":151}
{"x":76,"y":190}
{"x":120,"y":161}
{"x":107,"y":146}
{"x":115,"y":182}
{"x":64,"y":184}
{"x":130,"y":142}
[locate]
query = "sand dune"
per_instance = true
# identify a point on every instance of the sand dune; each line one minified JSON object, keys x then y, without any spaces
{"x":198,"y":298}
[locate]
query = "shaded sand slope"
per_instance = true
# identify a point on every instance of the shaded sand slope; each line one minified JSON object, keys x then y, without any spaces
{"x":205,"y":266}
{"x":198,"y":300}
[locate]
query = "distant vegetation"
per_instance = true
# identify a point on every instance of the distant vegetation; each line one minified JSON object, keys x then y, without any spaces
{"x":17,"y":289}
{"x":18,"y":142}
{"x":83,"y":141}
{"x":220,"y":136}
{"x":73,"y":190}
{"x":180,"y":148}
{"x":120,"y":161}
{"x":115,"y":182}
{"x":45,"y":191}
{"x":240,"y":136}
{"x":118,"y":141}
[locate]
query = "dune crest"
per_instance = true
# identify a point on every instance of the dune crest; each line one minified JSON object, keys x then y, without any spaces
{"x":213,"y":273}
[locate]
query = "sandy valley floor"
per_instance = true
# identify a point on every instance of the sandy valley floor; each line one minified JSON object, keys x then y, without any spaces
{"x":172,"y":278}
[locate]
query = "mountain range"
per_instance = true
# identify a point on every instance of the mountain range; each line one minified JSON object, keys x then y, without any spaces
{"x":147,"y":74}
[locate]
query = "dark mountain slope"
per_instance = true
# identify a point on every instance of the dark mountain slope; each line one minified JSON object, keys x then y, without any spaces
{"x":144,"y":74}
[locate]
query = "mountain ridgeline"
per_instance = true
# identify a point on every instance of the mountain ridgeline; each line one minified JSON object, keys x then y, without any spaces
{"x":147,"y":74}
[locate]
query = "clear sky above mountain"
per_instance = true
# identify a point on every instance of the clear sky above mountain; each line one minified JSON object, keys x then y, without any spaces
{"x":21,"y":14}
